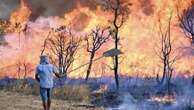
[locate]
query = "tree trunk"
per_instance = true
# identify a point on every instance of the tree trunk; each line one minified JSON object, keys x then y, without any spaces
{"x":193,"y":80}
{"x":116,"y":60}
{"x":90,"y":65}
{"x":60,"y":65}
{"x":116,"y":63}
{"x":164,"y":71}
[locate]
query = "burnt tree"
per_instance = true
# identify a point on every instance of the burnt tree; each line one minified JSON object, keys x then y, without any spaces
{"x":166,"y":53}
{"x":120,"y":11}
{"x":186,"y":19}
{"x":50,"y":32}
{"x":63,"y":47}
{"x":24,"y":68}
{"x":95,"y":40}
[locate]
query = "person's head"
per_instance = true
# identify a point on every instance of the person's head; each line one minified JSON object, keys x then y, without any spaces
{"x":44,"y":59}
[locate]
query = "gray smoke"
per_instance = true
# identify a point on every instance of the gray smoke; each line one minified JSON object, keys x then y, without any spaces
{"x":6,"y":7}
{"x":44,"y":7}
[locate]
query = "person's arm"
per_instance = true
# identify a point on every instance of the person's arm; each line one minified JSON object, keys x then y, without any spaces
{"x":57,"y":75}
{"x":36,"y":75}
{"x":56,"y":72}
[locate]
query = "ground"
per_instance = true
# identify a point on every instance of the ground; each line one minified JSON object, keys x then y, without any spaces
{"x":17,"y":101}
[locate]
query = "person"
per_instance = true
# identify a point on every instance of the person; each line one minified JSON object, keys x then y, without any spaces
{"x":44,"y":75}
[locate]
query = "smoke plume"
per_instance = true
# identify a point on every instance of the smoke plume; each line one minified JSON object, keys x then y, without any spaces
{"x":44,"y":7}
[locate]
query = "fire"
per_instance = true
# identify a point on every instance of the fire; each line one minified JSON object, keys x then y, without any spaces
{"x":163,"y":99}
{"x":21,"y":15}
{"x":92,"y":18}
{"x":138,"y":38}
{"x":103,"y":89}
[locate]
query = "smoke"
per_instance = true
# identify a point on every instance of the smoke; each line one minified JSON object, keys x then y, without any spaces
{"x":77,"y":23}
{"x":182,"y":90}
{"x":44,"y":7}
{"x":7,"y":7}
{"x":147,"y":7}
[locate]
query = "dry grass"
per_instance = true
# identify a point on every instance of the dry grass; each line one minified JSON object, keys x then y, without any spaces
{"x":25,"y":97}
{"x":17,"y":101}
{"x":22,"y":88}
{"x":73,"y":93}
{"x":68,"y":92}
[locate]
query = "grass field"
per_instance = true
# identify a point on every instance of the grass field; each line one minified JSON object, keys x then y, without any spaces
{"x":18,"y":101}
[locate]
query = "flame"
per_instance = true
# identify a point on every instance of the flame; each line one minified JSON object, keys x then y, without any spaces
{"x":163,"y":99}
{"x":21,"y":15}
{"x":91,"y":18}
{"x":138,"y":38}
{"x":103,"y":89}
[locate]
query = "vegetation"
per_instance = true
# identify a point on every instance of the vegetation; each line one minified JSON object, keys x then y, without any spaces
{"x":95,"y":40}
{"x":63,"y":48}
{"x":68,"y":92}
{"x":120,"y":11}
{"x":186,"y":20}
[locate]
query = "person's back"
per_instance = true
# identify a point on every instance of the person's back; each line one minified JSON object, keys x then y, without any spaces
{"x":44,"y":75}
{"x":45,"y":72}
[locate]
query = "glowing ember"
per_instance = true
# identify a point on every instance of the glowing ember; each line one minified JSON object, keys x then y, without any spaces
{"x":163,"y":99}
{"x":103,"y":88}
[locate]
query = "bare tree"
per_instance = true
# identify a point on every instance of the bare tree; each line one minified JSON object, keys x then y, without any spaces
{"x":63,"y":45}
{"x":19,"y":67}
{"x":95,"y":40}
{"x":120,"y":10}
{"x":45,"y":43}
{"x":52,"y":30}
{"x":166,"y":54}
{"x":23,"y":70}
{"x":27,"y":68}
{"x":186,"y":20}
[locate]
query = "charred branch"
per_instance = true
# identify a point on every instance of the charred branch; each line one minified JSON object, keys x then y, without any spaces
{"x":165,"y":53}
{"x":63,"y":47}
{"x":186,"y":19}
{"x":120,"y":11}
{"x":94,"y":42}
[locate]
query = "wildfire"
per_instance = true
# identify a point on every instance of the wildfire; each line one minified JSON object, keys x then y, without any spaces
{"x":91,"y":18}
{"x":20,"y":16}
{"x":137,"y":38}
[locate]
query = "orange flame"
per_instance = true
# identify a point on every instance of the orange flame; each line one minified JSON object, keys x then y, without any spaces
{"x":21,"y":15}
